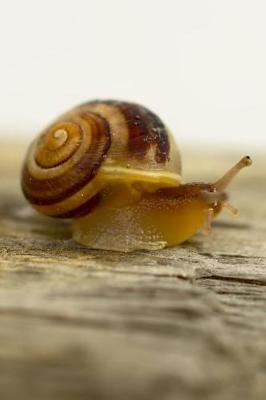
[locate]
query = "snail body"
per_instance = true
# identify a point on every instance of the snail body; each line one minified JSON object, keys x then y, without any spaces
{"x":114,"y":168}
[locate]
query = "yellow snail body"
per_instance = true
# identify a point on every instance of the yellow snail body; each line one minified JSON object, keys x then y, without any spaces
{"x":114,"y":168}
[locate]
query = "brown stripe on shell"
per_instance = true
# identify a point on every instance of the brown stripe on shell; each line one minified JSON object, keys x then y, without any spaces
{"x":119,"y":130}
{"x":146,"y":130}
{"x":138,"y":133}
{"x":82,"y":209}
{"x":49,"y":191}
{"x":158,"y":136}
{"x":138,"y":141}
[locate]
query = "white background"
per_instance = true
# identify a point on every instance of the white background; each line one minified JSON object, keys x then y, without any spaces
{"x":201,"y":65}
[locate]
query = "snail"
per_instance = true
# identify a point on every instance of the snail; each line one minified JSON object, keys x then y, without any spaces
{"x":114,"y":168}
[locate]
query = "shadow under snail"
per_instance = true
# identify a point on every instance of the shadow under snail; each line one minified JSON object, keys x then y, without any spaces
{"x":114,"y":168}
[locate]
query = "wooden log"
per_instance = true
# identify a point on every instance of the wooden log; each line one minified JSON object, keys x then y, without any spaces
{"x":182,"y":323}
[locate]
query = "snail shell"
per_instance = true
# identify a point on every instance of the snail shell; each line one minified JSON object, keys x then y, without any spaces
{"x":93,"y":146}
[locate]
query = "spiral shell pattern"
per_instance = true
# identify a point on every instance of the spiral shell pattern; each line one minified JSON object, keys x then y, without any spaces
{"x":60,"y":173}
{"x":61,"y":164}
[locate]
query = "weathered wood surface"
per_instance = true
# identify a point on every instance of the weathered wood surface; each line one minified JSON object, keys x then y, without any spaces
{"x":182,"y":323}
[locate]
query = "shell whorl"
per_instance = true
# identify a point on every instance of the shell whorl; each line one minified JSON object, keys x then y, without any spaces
{"x":60,"y":165}
{"x":122,"y":140}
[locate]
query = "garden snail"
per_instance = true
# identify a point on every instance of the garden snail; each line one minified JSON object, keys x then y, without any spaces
{"x":115,"y":169}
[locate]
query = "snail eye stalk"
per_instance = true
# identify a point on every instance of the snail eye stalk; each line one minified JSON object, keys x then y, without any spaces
{"x":223,"y":182}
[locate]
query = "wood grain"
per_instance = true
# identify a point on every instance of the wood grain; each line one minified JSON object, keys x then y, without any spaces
{"x":182,"y":323}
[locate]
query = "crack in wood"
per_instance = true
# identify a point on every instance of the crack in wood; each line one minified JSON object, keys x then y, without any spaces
{"x":232,"y":279}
